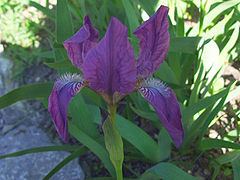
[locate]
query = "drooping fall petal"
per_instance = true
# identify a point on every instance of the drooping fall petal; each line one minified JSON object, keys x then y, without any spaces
{"x":65,"y":88}
{"x":154,"y":42}
{"x":78,"y":45}
{"x":166,"y":105}
{"x":110,"y":66}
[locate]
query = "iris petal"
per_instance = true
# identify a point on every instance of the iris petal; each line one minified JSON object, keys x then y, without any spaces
{"x":110,"y":65}
{"x":154,"y":42}
{"x":65,"y":88}
{"x":78,"y":45}
{"x":166,"y":105}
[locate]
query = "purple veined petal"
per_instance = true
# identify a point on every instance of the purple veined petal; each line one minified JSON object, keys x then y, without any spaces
{"x":65,"y":88}
{"x":78,"y":45}
{"x":110,"y":65}
{"x":166,"y":105}
{"x":154,"y":42}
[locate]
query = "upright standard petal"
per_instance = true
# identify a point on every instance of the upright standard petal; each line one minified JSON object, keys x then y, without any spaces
{"x":166,"y":105}
{"x":65,"y":88}
{"x":78,"y":45}
{"x":110,"y":65}
{"x":154,"y":42}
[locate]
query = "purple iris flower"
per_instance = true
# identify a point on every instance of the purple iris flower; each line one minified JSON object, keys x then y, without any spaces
{"x":110,"y":69}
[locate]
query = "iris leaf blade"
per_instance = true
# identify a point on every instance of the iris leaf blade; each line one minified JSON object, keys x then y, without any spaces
{"x":184,"y":44}
{"x":197,"y":86}
{"x":64,"y":65}
{"x":166,"y":74}
{"x":228,"y":157}
{"x":32,"y":91}
{"x":131,"y":15}
{"x":82,"y":117}
{"x":108,"y":178}
{"x":65,"y":161}
{"x":138,"y":138}
{"x":210,"y":143}
{"x":217,"y":11}
{"x":63,"y":22}
{"x":230,"y":44}
{"x":236,"y":168}
{"x":93,"y":145}
{"x":146,"y":114}
{"x":214,"y":113}
{"x":149,"y":6}
{"x":45,"y":10}
{"x":168,"y":171}
{"x":190,"y":111}
{"x":131,"y":132}
{"x":40,"y":149}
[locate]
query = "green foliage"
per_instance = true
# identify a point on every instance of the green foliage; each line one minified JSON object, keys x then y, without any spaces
{"x":113,"y":142}
{"x":63,"y":22}
{"x":218,"y":143}
{"x":169,"y":172}
{"x":31,"y":91}
{"x":41,"y":149}
{"x":93,"y":145}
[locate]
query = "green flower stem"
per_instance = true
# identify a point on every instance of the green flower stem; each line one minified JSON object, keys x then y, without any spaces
{"x":113,"y":141}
